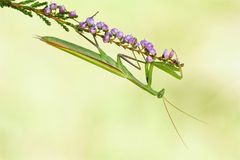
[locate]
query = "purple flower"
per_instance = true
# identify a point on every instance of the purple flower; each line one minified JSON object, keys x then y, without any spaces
{"x":114,"y":31}
{"x":132,"y":41}
{"x":149,"y":46}
{"x":47,"y":11}
{"x":62,"y":9}
{"x":90,"y":21}
{"x":53,"y":6}
{"x":171,"y":54}
{"x":105,"y":28}
{"x":165,"y":53}
{"x":100,"y":25}
{"x":137,"y":45}
{"x":119,"y":35}
{"x":72,"y":14}
{"x":143,"y":43}
{"x":152,"y":51}
{"x":106,"y":37}
{"x":149,"y":59}
{"x":127,"y":38}
{"x":93,"y":30}
{"x":82,"y":25}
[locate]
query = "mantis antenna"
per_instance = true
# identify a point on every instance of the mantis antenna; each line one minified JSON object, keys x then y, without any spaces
{"x":175,"y":127}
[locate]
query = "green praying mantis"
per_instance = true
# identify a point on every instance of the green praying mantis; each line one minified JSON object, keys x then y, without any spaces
{"x":117,"y":67}
{"x":104,"y":61}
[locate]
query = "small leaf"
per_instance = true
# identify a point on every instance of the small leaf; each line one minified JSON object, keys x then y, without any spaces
{"x":27,"y":1}
{"x":24,"y":11}
{"x":44,"y":19}
{"x":64,"y":26}
{"x":38,"y":4}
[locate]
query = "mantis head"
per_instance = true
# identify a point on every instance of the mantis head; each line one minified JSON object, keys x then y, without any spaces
{"x":169,"y":63}
{"x":161,"y":93}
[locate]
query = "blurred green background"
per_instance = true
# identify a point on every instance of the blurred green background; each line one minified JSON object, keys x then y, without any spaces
{"x":55,"y":106}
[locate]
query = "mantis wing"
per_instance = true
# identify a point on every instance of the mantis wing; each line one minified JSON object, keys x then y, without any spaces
{"x":105,"y":62}
{"x":170,"y":69}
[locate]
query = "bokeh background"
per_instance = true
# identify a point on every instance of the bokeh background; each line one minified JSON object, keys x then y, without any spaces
{"x":55,"y":106}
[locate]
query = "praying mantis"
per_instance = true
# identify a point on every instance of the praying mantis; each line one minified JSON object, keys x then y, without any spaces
{"x":104,"y":61}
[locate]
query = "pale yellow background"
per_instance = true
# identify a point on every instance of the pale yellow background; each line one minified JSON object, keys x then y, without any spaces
{"x":54,"y":106}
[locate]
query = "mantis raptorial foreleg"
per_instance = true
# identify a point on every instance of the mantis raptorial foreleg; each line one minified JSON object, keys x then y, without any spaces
{"x":148,"y":73}
{"x":102,"y":53}
{"x":126,"y":58}
{"x":136,"y":59}
{"x":148,"y":66}
{"x":80,"y":33}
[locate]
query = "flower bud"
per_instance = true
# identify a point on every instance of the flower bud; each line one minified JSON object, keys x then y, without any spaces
{"x":100,"y":25}
{"x":119,"y":35}
{"x":114,"y":31}
{"x":72,"y":14}
{"x":107,"y":36}
{"x":152,"y":51}
{"x":47,"y":11}
{"x":143,"y":43}
{"x":62,"y":9}
{"x":53,"y":6}
{"x":90,"y":21}
{"x":127,"y":38}
{"x":149,"y":45}
{"x":165,"y":53}
{"x":93,"y":30}
{"x":132,"y":41}
{"x":82,"y":25}
{"x":137,"y":45}
{"x":106,"y":39}
{"x":149,"y":59}
{"x":171,"y":54}
{"x":105,"y":28}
